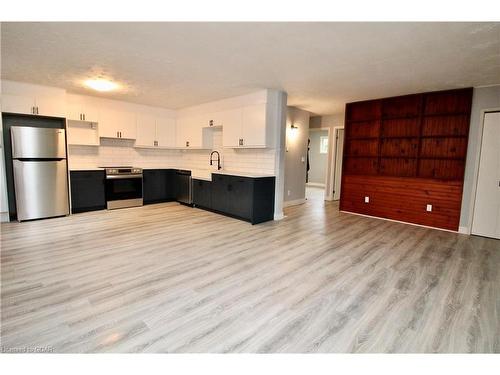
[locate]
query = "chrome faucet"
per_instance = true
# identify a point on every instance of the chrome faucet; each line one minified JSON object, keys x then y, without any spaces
{"x":218,"y":159}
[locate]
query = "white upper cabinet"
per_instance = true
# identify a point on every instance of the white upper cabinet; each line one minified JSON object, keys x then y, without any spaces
{"x":117,"y":121}
{"x":33,"y":99}
{"x":146,"y":130}
{"x":155,"y":131}
{"x":254,"y":126}
{"x":165,"y":132}
{"x":231,"y":127}
{"x":18,"y":104}
{"x":245,"y":127}
{"x":82,"y":108}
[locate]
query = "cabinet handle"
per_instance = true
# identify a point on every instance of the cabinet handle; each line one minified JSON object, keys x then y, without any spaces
{"x":211,"y":123}
{"x":37,"y":110}
{"x":120,"y":134}
{"x":33,"y":110}
{"x":117,"y":134}
{"x":84,"y":117}
{"x":241,"y":142}
{"x":187,"y":143}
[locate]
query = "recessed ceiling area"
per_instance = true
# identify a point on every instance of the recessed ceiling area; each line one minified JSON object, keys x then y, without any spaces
{"x":320,"y":65}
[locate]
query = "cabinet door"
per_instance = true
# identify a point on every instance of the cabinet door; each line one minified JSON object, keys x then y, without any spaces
{"x":127,"y":124}
{"x":91,"y":110}
{"x":117,"y":123}
{"x":51,"y":105}
{"x":181,"y":131}
{"x":165,"y":132}
{"x":240,"y":197}
{"x":231,"y":127}
{"x":87,"y":191}
{"x":219,"y":193}
{"x":189,"y":132}
{"x":254,"y":126}
{"x":146,"y":130}
{"x":156,"y":186}
{"x":202,"y":193}
{"x":82,"y":108}
{"x":18,"y":104}
{"x":108,"y":126}
{"x":74,"y":107}
{"x":195,"y":131}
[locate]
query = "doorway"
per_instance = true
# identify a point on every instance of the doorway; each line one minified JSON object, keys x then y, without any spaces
{"x":337,"y":162}
{"x":486,"y":218}
{"x":317,"y":163}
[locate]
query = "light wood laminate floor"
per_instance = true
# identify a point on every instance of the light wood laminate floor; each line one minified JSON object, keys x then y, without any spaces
{"x":168,"y":278}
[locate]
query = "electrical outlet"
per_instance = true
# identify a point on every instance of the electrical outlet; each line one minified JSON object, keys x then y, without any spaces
{"x":367,"y":199}
{"x":429,"y":208}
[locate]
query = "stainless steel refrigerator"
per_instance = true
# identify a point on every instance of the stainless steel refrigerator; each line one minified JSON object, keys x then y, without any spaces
{"x":40,"y":172}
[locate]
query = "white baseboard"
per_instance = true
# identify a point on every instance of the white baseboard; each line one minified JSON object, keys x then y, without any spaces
{"x":315,"y":184}
{"x":294,"y":202}
{"x":399,"y":221}
{"x":279,"y":216}
{"x":463,"y":230}
{"x":4,"y":217}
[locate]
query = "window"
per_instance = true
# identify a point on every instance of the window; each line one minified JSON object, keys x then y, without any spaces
{"x":323,"y":145}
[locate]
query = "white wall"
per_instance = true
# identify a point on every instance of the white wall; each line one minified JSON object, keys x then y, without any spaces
{"x":295,"y":157}
{"x":318,"y":162}
{"x":484,"y":98}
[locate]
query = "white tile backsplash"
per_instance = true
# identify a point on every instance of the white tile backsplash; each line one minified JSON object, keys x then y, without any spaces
{"x":115,"y":152}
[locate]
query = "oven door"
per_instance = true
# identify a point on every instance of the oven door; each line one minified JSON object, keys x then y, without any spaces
{"x":123,"y":191}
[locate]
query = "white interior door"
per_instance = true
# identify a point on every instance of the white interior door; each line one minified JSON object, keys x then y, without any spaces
{"x":486,"y":221}
{"x":339,"y":150}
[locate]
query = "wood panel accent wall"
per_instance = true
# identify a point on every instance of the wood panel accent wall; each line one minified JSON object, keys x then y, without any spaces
{"x":407,"y":152}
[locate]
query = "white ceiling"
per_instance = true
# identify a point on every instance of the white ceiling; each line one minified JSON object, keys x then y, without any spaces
{"x":321,"y":65}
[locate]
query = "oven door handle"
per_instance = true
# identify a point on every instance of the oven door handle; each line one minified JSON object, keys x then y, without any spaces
{"x":123,"y":176}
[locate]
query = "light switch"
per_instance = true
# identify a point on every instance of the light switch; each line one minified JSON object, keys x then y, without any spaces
{"x":429,"y":208}
{"x":367,"y":199}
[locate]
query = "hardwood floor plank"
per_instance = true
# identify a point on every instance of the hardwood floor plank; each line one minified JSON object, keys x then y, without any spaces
{"x":168,"y":278}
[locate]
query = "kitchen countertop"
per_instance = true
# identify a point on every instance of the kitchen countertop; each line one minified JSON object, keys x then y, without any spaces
{"x":199,"y":174}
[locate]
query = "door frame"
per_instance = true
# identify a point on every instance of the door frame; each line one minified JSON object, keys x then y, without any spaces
{"x":334,"y":160}
{"x":476,"y":167}
{"x":327,"y":167}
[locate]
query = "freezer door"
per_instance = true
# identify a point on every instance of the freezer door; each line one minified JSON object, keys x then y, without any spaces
{"x":41,"y":189}
{"x":41,"y":143}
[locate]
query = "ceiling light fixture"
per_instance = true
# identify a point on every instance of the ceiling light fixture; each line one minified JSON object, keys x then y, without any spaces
{"x":101,"y":84}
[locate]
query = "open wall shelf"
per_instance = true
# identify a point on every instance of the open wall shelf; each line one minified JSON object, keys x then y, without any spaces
{"x":412,"y":137}
{"x":415,"y":129}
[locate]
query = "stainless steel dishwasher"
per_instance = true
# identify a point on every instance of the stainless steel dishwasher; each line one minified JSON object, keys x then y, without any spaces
{"x":183,"y":187}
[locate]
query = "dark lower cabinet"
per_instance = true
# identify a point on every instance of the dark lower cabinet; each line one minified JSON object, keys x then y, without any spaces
{"x":247,"y":198}
{"x":87,"y":191}
{"x":202,"y":193}
{"x":157,"y":185}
